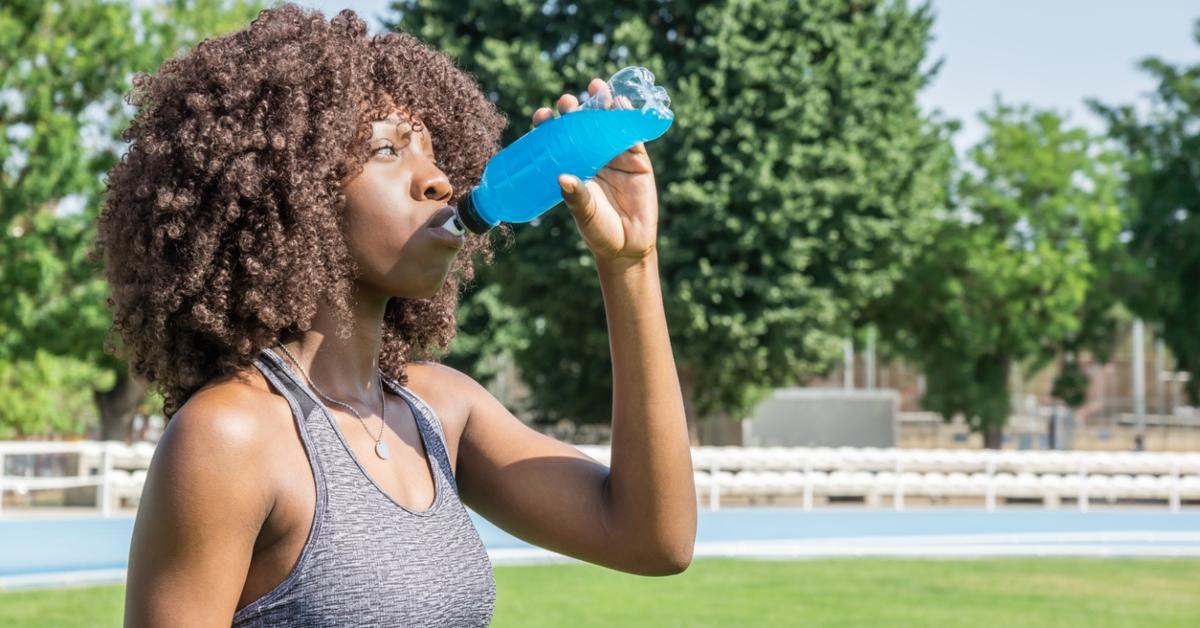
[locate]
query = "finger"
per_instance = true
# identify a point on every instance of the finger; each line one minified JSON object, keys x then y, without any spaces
{"x":577,"y":197}
{"x":566,"y":103}
{"x":541,"y":115}
{"x":599,"y":88}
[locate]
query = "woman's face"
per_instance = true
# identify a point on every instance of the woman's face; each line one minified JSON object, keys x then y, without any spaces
{"x":388,"y":209}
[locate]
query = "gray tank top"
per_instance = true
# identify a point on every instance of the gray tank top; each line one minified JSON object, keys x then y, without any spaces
{"x":367,"y":560}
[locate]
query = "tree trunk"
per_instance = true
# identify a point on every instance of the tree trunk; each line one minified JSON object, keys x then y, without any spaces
{"x":721,"y":430}
{"x":718,"y":429}
{"x":688,"y":388}
{"x":118,"y":405}
{"x":993,"y":436}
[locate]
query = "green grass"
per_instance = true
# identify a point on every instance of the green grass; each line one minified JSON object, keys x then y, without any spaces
{"x":851,"y":592}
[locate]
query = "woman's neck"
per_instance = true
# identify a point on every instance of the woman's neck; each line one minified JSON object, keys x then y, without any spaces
{"x":345,"y":369}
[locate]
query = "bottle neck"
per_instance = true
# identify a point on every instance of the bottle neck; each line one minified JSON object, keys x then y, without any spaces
{"x":469,"y":214}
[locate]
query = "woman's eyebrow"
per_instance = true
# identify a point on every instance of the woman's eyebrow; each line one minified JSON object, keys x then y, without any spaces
{"x":397,"y":124}
{"x":408,"y":129}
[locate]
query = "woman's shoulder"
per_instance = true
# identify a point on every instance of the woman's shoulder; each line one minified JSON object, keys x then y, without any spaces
{"x":234,"y":423}
{"x":240,"y":410}
{"x":208,"y":494}
{"x":242,"y":391}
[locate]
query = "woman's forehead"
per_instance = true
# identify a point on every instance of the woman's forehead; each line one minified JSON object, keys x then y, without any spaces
{"x":396,"y":112}
{"x":399,"y":118}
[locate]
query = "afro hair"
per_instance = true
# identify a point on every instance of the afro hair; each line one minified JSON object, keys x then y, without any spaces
{"x":222,"y":225}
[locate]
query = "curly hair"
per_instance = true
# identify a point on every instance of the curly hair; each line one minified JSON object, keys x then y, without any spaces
{"x":222,"y":225}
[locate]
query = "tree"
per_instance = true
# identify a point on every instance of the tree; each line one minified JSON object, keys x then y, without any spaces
{"x":42,"y":395}
{"x":64,"y":68}
{"x":1163,"y":152}
{"x":1101,"y":319}
{"x":492,"y":334}
{"x":1013,"y":275}
{"x":792,"y":184}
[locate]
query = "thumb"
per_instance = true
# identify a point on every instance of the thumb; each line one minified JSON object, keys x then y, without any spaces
{"x":576,"y":195}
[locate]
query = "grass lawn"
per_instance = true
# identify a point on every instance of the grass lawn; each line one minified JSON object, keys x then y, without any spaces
{"x":851,"y":592}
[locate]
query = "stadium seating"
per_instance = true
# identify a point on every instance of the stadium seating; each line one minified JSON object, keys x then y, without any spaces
{"x":813,"y":474}
{"x":872,"y":473}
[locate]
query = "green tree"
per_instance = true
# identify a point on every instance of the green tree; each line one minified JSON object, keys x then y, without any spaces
{"x":42,"y":396}
{"x":64,"y":68}
{"x":1014,"y":274}
{"x":1163,"y":151}
{"x":792,"y":186}
{"x":1102,"y":317}
{"x":491,"y":335}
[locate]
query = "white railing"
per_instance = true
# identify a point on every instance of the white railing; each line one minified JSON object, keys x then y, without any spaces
{"x":870,"y":473}
{"x":116,"y":470}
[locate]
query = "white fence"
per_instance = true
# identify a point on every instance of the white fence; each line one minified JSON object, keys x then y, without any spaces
{"x":116,"y":470}
{"x":872,"y":473}
{"x":119,"y":470}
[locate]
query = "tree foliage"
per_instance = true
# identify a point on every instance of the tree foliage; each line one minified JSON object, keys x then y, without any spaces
{"x":1014,"y":271}
{"x":793,"y":183}
{"x":44,"y":396}
{"x":1163,"y":151}
{"x":64,"y":68}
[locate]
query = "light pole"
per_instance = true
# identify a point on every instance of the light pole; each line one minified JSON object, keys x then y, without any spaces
{"x":1139,"y":385}
{"x":847,"y":363}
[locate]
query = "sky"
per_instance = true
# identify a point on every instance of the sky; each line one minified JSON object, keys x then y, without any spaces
{"x":1047,"y":53}
{"x":1051,"y":54}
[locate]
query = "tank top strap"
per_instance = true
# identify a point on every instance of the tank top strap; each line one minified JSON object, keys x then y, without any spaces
{"x":430,"y":425}
{"x":273,"y":367}
{"x":306,"y":404}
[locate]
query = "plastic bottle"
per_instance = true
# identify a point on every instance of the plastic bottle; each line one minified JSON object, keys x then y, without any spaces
{"x":520,"y":182}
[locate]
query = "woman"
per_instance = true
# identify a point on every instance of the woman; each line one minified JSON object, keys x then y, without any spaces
{"x":272,"y":239}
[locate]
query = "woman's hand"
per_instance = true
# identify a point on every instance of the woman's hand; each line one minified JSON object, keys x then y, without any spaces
{"x":616,"y":211}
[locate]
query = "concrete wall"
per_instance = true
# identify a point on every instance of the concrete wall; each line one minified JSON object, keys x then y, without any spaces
{"x":827,"y":417}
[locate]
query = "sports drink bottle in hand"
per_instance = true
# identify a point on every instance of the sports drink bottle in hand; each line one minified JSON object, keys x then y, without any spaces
{"x":520,"y":182}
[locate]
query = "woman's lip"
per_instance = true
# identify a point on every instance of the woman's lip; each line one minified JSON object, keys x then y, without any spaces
{"x":440,"y":216}
{"x":442,"y":235}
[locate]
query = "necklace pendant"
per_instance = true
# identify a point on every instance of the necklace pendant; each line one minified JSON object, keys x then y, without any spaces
{"x":381,"y":450}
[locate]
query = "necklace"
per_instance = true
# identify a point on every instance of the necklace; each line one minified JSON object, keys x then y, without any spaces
{"x":381,"y":448}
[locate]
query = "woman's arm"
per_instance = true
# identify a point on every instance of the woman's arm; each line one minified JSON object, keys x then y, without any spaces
{"x":651,"y":488}
{"x":639,"y":515}
{"x":201,"y":510}
{"x":651,"y":491}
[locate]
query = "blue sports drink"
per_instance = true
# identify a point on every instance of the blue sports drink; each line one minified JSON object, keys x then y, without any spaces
{"x":520,"y":182}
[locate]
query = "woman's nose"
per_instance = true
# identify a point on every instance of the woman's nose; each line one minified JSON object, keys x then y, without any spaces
{"x":433,"y":184}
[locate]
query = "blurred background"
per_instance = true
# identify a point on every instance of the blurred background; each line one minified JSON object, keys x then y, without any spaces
{"x":931,"y":272}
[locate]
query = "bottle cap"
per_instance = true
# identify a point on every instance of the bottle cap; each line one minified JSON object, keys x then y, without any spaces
{"x":470,"y":216}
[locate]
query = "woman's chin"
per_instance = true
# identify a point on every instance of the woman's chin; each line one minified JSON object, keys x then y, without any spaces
{"x":431,"y":290}
{"x":422,"y":283}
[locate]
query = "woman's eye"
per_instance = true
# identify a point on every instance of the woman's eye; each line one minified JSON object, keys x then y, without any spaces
{"x":386,"y":147}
